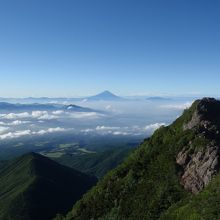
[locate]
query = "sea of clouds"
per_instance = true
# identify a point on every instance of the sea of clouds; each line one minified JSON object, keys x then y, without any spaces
{"x":118,"y":119}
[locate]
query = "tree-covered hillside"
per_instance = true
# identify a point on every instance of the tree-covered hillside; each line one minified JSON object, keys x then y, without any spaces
{"x":98,"y":163}
{"x":35,"y":187}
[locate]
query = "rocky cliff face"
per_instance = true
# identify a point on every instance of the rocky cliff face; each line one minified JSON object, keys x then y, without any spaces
{"x":201,"y":163}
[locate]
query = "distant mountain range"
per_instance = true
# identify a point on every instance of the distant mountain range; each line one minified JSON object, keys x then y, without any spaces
{"x":158,"y":98}
{"x":105,"y":96}
{"x":4,"y":106}
{"x":33,"y":187}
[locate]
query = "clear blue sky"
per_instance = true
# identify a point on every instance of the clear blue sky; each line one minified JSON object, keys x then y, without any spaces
{"x":80,"y":47}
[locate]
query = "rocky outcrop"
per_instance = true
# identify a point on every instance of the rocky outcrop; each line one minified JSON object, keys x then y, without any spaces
{"x":198,"y":168}
{"x":195,"y":121}
{"x":201,"y":164}
{"x":206,"y":116}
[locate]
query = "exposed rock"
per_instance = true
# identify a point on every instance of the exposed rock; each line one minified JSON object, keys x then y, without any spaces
{"x":195,"y":120}
{"x":201,"y":164}
{"x":198,"y":168}
{"x":205,"y":116}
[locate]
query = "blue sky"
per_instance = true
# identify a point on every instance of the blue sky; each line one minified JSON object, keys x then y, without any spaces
{"x":81,"y":47}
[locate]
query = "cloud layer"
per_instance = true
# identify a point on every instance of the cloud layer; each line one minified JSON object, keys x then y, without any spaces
{"x":181,"y":106}
{"x":133,"y":130}
{"x":28,"y":132}
{"x":19,"y":124}
{"x":45,"y":115}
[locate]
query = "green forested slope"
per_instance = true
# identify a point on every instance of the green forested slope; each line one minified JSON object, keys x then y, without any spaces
{"x":35,"y":187}
{"x":97,"y":164}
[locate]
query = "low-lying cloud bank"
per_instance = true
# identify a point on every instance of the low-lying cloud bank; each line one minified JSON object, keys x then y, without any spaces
{"x":133,"y":131}
{"x":3,"y":129}
{"x":181,"y":106}
{"x":152,"y":127}
{"x":28,"y":132}
{"x":13,"y":123}
{"x":45,"y":115}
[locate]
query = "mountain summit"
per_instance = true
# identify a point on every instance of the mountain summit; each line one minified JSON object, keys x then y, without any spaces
{"x":174,"y":175}
{"x":106,"y":95}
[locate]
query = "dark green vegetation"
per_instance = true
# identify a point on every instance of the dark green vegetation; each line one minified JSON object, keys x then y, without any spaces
{"x":35,"y":187}
{"x":147,"y":184}
{"x":97,"y":163}
{"x":3,"y":163}
{"x":204,"y":206}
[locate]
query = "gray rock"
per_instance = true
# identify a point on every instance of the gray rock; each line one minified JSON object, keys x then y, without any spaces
{"x":198,"y":168}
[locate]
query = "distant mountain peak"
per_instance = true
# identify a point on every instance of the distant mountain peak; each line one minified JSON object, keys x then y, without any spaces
{"x":105,"y":95}
{"x":107,"y":92}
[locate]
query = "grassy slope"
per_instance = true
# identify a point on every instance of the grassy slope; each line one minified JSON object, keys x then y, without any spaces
{"x":34,"y":187}
{"x":146,"y":184}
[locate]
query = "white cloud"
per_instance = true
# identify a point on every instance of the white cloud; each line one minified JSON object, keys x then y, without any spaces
{"x":50,"y":130}
{"x":132,"y":131}
{"x":58,"y":112}
{"x":88,"y":130}
{"x":43,"y":115}
{"x":86,"y":115}
{"x":41,"y":132}
{"x":178,"y":106}
{"x":57,"y":129}
{"x":15,"y":134}
{"x":3,"y":129}
{"x":38,"y":114}
{"x":47,"y":117}
{"x":104,"y":128}
{"x":14,"y":123}
{"x":18,"y":122}
{"x":16,"y":115}
{"x":120,"y":133}
{"x":21,"y":133}
{"x":152,"y":127}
